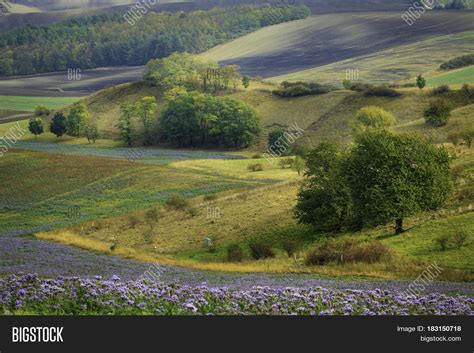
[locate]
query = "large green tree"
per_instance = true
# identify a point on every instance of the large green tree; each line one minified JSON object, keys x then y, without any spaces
{"x":393,"y":176}
{"x":324,"y":199}
{"x":58,"y":124}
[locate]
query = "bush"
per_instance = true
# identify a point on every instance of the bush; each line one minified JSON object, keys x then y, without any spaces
{"x":41,"y":111}
{"x":176,"y":202}
{"x":210,"y":197}
{"x":192,"y":211}
{"x":260,"y":250}
{"x":459,"y":239}
{"x":442,"y":241}
{"x":258,"y":167}
{"x":235,"y":253}
{"x":286,"y":162}
{"x":360,"y":87}
{"x":460,"y":61}
{"x":456,"y":240}
{"x":296,"y":89}
{"x":440,"y":90}
{"x":381,"y":92}
{"x":346,"y":251}
{"x":438,"y":113}
{"x":133,"y":221}
{"x":148,"y":236}
{"x":151,"y":217}
{"x":454,"y":138}
{"x":467,"y":137}
{"x":257,"y":156}
{"x":289,"y":245}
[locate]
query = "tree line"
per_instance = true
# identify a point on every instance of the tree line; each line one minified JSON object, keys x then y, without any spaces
{"x":108,"y":40}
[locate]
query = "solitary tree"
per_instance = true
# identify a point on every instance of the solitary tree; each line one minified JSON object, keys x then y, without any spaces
{"x":35,"y":126}
{"x":420,"y":81}
{"x":274,"y":136}
{"x":245,"y":81}
{"x":372,"y":118}
{"x":393,"y":176}
{"x":125,"y":123}
{"x":58,"y":124}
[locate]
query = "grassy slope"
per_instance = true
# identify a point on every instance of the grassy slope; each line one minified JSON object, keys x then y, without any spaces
{"x":322,"y":47}
{"x":23,"y":103}
{"x":100,"y":186}
{"x":267,"y":213}
{"x":399,"y":63}
{"x":452,"y":78}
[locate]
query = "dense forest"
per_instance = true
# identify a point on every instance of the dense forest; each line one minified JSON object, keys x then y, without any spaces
{"x":108,"y":40}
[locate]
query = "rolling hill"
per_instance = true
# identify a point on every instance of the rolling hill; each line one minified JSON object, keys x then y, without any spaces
{"x":320,"y":48}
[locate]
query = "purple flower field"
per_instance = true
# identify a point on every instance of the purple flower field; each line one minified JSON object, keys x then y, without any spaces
{"x":29,"y":294}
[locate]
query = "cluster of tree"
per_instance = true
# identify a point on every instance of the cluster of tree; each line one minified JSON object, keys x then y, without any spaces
{"x":144,"y":110}
{"x":197,"y":119}
{"x":456,"y":5}
{"x":296,"y":89}
{"x":184,"y":72}
{"x":370,"y":90}
{"x":108,"y":40}
{"x":383,"y":178}
{"x":77,"y":123}
{"x":460,"y":61}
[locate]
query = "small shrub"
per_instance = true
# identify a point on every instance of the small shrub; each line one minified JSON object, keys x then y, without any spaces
{"x":346,"y":251}
{"x":459,"y":239}
{"x":442,"y":241}
{"x":257,"y":156}
{"x":286,"y":162}
{"x":235,"y":253}
{"x":113,"y":246}
{"x":176,"y":202}
{"x":148,"y":236}
{"x":257,"y":167}
{"x":192,"y":211}
{"x":151,"y":217}
{"x":210,"y":197}
{"x":467,"y":137}
{"x":133,"y":221}
{"x":440,"y":90}
{"x":297,"y":89}
{"x":438,"y":113}
{"x":460,"y":61}
{"x":260,"y":250}
{"x":454,"y":138}
{"x":381,"y":92}
{"x":360,"y":87}
{"x":289,"y":245}
{"x":244,"y":196}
